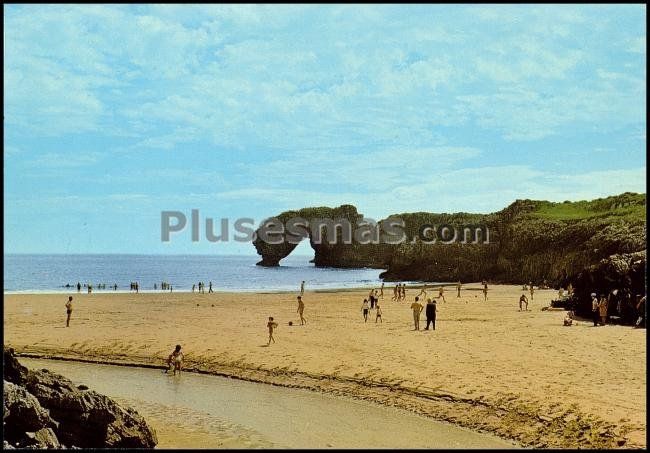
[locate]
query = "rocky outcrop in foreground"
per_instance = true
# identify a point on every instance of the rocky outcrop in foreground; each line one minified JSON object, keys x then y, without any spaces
{"x":46,"y":410}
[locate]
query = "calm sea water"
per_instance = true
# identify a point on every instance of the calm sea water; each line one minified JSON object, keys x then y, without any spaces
{"x":50,"y":273}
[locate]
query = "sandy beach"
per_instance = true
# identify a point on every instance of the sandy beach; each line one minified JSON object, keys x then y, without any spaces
{"x":520,"y":375}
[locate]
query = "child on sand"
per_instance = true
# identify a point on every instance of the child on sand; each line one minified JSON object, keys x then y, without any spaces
{"x":364,"y":309}
{"x":68,"y":310}
{"x":378,"y":317}
{"x":301,"y":309}
{"x":271,"y":325}
{"x":175,"y":359}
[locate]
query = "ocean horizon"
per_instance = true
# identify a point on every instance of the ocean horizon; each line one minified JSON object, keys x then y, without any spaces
{"x":50,"y":273}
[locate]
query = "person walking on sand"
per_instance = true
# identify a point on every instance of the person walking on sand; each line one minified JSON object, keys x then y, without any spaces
{"x":458,"y":288}
{"x":301,"y":309}
{"x":381,"y":293}
{"x":378,"y":317}
{"x":175,"y":360}
{"x":193,"y":286}
{"x":417,"y":309}
{"x":210,"y":288}
{"x":640,"y":308}
{"x":423,"y":291}
{"x":395,"y":293}
{"x":594,"y":309}
{"x":364,"y":309}
{"x":532,"y":292}
{"x":404,"y":291}
{"x":441,"y":293}
{"x":602,"y":309}
{"x":371,"y":297}
{"x":302,"y":288}
{"x":78,"y":287}
{"x":431,"y":313}
{"x":271,"y":325}
{"x":523,"y":300}
{"x":68,"y":310}
{"x":485,"y":290}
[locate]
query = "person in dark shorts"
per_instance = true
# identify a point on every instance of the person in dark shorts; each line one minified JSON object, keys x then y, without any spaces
{"x":364,"y":309}
{"x":431,"y":313}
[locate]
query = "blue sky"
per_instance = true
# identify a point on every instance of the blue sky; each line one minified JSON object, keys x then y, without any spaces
{"x":114,"y":113}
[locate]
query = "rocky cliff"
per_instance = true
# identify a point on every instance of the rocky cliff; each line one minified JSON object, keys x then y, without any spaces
{"x":529,"y":241}
{"x":45,"y":410}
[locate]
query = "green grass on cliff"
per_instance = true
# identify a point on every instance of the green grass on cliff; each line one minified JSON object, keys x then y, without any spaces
{"x":629,"y":206}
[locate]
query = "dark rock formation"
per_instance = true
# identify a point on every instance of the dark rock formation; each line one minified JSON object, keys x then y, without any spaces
{"x":529,"y":241}
{"x":45,"y":410}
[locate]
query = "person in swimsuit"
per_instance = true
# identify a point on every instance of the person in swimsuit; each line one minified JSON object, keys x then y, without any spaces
{"x":302,"y":288}
{"x":364,"y":309}
{"x":175,"y":360}
{"x":68,"y":310}
{"x":423,"y":291}
{"x":271,"y":325}
{"x":381,"y":294}
{"x":523,"y":300}
{"x":301,"y":309}
{"x":458,"y":289}
{"x":441,"y":293}
{"x":485,"y":290}
{"x":378,"y":317}
{"x":417,"y":309}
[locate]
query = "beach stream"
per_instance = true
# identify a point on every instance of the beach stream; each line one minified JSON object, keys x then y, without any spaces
{"x":203,"y":411}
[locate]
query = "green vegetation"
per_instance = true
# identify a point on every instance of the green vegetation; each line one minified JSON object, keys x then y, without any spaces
{"x":629,"y":206}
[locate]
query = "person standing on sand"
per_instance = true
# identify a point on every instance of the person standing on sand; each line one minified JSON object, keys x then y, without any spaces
{"x":417,"y":309}
{"x":404,"y":291}
{"x":594,"y":309}
{"x":78,"y":287}
{"x":523,"y":300}
{"x":602,"y":309}
{"x":193,"y":286}
{"x":302,"y":288}
{"x":301,"y":309}
{"x":431,"y":313}
{"x":378,"y":317}
{"x":441,"y":293}
{"x":271,"y":325}
{"x":458,"y":288}
{"x":210,"y":288}
{"x":381,"y":294}
{"x":395,"y":293}
{"x":175,"y":360}
{"x":364,"y":309}
{"x":68,"y":310}
{"x":485,"y":290}
{"x":532,"y":292}
{"x":371,"y":297}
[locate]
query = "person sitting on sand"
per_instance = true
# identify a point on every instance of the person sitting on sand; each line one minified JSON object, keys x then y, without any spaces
{"x":417,"y":309}
{"x":523,"y":300}
{"x":301,"y":309}
{"x":568,"y":319}
{"x":175,"y":360}
{"x":68,"y":310}
{"x":271,"y":325}
{"x":364,"y":309}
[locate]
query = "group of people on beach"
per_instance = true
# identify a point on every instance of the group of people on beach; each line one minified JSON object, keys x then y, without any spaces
{"x":201,"y":287}
{"x":90,"y":287}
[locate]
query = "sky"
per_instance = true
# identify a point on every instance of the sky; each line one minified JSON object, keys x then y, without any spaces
{"x":115,"y":113}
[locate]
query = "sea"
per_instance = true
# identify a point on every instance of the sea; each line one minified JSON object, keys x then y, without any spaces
{"x":51,"y":273}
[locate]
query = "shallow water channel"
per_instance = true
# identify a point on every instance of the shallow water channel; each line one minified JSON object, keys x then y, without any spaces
{"x":203,"y":411}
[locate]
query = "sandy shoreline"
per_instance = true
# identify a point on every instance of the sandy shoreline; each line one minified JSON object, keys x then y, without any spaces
{"x":520,"y":375}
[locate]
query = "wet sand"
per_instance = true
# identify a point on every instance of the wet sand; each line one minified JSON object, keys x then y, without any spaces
{"x":215,"y":412}
{"x":520,"y":375}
